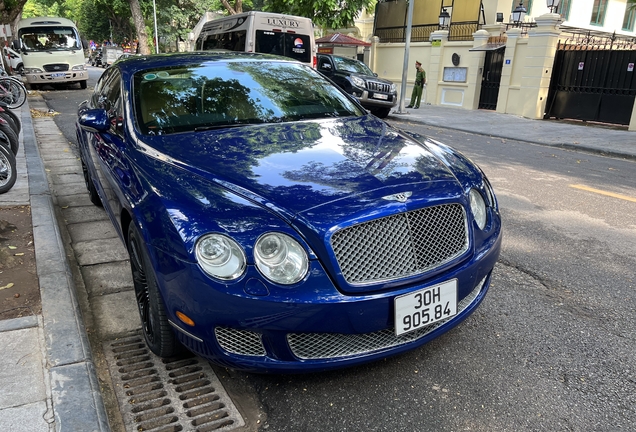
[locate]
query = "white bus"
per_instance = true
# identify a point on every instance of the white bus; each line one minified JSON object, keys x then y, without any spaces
{"x":262,"y":32}
{"x":52,"y":51}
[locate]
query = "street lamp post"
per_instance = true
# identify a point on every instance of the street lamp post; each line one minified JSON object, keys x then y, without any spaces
{"x":154,"y":12}
{"x":519,"y":14}
{"x":552,"y":5}
{"x":444,"y":19}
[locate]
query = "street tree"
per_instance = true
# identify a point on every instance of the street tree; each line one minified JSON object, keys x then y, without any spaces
{"x":324,"y":13}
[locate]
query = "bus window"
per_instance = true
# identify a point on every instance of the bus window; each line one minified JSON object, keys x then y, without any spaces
{"x":295,"y":46}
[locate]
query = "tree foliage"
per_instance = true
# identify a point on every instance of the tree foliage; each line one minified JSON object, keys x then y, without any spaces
{"x":324,"y":13}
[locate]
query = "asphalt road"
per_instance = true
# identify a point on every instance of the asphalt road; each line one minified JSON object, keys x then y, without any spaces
{"x":551,"y":347}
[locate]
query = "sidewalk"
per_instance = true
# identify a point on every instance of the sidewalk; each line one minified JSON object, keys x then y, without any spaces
{"x":47,"y":376}
{"x":610,"y":141}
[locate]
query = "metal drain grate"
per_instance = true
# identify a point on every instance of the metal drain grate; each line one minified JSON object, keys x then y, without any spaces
{"x":167,"y":395}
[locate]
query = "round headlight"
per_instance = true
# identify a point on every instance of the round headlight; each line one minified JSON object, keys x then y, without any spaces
{"x":280,"y":258}
{"x":220,"y":256}
{"x":478,"y":207}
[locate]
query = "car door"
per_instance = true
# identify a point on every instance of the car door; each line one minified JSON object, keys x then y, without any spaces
{"x":325,"y":66}
{"x":108,"y":149}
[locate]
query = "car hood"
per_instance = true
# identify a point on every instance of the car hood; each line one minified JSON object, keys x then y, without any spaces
{"x":300,"y":167}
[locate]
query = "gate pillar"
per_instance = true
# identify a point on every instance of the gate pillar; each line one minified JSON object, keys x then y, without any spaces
{"x":537,"y":71}
{"x":632,"y":122}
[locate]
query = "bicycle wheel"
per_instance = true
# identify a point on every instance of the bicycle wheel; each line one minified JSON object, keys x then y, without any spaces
{"x":18,"y":90}
{"x":16,"y":119}
{"x":12,"y":92}
{"x":6,"y":129}
{"x":8,"y":171}
{"x":11,"y":121}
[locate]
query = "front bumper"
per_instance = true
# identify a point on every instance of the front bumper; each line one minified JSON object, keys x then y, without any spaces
{"x":56,"y":77}
{"x":312,"y":327}
{"x":373,"y":99}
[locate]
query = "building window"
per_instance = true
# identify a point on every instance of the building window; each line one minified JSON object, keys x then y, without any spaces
{"x":628,"y":20}
{"x":598,"y":12}
{"x":564,"y":9}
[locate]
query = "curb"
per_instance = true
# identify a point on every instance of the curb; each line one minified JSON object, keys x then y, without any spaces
{"x":68,"y":355}
{"x":401,"y":118}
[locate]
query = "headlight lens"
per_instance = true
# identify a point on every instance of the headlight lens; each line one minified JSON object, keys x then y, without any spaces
{"x":478,"y":207}
{"x":358,"y":81}
{"x":393,"y":88}
{"x":220,"y":256}
{"x":280,"y":258}
{"x":32,"y":70}
{"x":78,"y":67}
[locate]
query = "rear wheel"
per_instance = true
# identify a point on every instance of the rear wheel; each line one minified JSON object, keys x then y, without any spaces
{"x":8,"y":171}
{"x":157,"y":331}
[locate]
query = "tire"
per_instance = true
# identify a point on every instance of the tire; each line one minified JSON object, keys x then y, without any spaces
{"x":8,"y":171}
{"x":90,"y":186}
{"x":381,"y":112}
{"x":20,"y":69}
{"x":16,"y":120}
{"x":6,"y":129}
{"x":15,"y":93}
{"x":83,"y":84}
{"x":158,"y":333}
{"x":11,"y":121}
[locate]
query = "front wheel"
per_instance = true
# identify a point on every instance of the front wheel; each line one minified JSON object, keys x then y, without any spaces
{"x":83,"y":84}
{"x":8,"y":171}
{"x":381,"y":112}
{"x":157,"y":331}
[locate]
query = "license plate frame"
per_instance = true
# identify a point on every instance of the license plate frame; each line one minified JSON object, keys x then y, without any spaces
{"x":380,"y":96}
{"x":425,"y":306}
{"x":58,"y":75}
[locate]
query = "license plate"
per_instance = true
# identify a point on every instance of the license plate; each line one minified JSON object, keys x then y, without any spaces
{"x":58,"y":75}
{"x":381,"y":96}
{"x":426,"y":306}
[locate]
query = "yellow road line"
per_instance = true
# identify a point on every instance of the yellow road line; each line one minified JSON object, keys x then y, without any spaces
{"x":602,"y":192}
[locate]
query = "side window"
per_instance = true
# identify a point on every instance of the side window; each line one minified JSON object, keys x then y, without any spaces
{"x":325,"y":65}
{"x":110,"y":99}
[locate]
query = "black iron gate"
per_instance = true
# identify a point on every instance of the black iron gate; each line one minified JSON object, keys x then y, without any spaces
{"x":491,"y":79}
{"x":593,"y":80}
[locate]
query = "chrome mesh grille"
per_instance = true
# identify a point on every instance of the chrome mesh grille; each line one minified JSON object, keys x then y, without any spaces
{"x":314,"y":346}
{"x":242,"y":342}
{"x":378,"y":86}
{"x":401,"y":245}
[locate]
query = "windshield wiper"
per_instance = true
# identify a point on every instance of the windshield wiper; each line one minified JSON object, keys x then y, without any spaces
{"x":221,"y":126}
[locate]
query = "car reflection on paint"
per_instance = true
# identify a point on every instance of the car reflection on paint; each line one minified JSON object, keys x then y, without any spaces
{"x":272,"y":224}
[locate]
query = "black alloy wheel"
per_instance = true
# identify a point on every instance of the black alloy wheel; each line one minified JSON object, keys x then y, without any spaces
{"x":157,"y":331}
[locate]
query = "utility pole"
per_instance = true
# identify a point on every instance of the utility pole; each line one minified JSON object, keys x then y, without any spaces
{"x":407,"y":47}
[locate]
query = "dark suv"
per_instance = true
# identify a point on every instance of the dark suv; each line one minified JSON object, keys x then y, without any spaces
{"x":375,"y":94}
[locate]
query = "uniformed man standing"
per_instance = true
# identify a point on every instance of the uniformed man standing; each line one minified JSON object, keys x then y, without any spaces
{"x":420,"y":80}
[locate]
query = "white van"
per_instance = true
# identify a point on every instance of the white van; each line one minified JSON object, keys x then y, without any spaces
{"x":262,"y":32}
{"x":52,"y":51}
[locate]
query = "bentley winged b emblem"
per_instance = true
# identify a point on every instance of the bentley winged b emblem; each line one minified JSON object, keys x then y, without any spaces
{"x":399,"y":197}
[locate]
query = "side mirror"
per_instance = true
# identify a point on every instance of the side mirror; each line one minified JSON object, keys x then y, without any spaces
{"x":375,"y":74}
{"x":16,"y":44}
{"x":94,"y":120}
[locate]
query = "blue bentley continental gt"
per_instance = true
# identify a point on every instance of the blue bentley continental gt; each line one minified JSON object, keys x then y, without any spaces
{"x":273,"y":224}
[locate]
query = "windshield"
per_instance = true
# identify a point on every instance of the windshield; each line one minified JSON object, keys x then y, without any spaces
{"x":350,"y":65}
{"x":229,"y":94}
{"x":46,"y":38}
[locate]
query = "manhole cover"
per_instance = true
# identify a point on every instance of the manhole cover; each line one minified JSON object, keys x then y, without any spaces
{"x":167,"y":395}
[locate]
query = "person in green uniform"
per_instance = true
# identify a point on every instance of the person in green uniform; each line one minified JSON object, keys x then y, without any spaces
{"x":420,"y":80}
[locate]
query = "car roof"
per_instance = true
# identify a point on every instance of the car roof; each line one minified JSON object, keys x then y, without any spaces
{"x":134,"y":64}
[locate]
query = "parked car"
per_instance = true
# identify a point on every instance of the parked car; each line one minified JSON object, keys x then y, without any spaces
{"x":375,"y":94}
{"x":272,"y":223}
{"x":13,"y":60}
